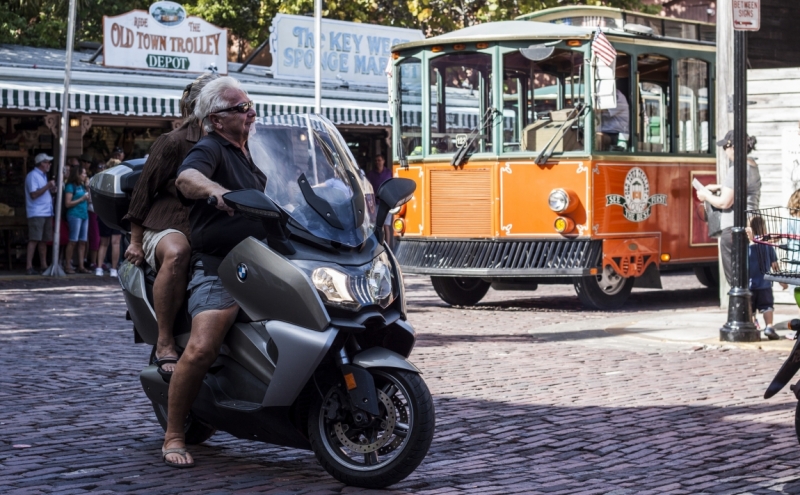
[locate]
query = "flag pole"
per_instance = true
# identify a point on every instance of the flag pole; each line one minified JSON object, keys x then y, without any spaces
{"x":317,"y":56}
{"x":55,"y":269}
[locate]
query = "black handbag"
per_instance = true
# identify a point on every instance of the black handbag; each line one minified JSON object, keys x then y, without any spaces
{"x":713,"y":217}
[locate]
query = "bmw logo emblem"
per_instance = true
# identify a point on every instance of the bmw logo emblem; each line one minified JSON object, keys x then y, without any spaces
{"x":241,"y":272}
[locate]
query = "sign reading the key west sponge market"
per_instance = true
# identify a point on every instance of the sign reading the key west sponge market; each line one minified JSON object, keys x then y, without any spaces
{"x":164,"y":38}
{"x":351,"y":52}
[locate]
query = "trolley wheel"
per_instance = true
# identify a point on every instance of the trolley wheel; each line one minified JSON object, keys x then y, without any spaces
{"x":607,"y":290}
{"x":460,"y":291}
{"x":707,"y":275}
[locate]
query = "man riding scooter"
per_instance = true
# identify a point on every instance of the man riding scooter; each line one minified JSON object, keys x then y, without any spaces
{"x":218,"y":163}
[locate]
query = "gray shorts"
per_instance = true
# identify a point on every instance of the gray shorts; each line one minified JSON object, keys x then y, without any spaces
{"x":206,"y":293}
{"x":40,"y":229}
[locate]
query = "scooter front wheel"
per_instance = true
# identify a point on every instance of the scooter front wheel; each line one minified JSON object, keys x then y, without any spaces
{"x":383,"y":450}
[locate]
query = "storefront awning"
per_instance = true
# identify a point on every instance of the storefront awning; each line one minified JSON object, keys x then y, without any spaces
{"x":154,"y":102}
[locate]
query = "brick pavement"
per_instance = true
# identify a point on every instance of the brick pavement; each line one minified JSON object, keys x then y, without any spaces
{"x":518,"y":410}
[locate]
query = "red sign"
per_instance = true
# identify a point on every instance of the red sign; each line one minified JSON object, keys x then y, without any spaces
{"x":747,"y":15}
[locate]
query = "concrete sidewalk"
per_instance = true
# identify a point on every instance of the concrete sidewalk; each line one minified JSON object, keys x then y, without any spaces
{"x":702,"y":328}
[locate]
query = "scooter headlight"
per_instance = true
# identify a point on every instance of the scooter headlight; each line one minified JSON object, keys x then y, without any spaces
{"x":334,"y":286}
{"x":353,"y":288}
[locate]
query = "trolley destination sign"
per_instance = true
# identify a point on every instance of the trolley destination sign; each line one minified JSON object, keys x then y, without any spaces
{"x":164,"y":38}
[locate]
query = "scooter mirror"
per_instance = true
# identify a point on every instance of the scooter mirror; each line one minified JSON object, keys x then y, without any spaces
{"x":252,"y":203}
{"x":392,"y":194}
{"x":396,"y":192}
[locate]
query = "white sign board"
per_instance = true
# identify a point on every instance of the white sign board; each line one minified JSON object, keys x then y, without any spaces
{"x":747,"y":15}
{"x":790,"y":161}
{"x":351,"y":52}
{"x":164,"y":38}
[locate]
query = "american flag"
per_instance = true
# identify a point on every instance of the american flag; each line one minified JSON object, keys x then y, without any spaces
{"x":603,"y":49}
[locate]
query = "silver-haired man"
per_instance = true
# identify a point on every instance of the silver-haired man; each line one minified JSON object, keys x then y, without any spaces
{"x":218,"y":163}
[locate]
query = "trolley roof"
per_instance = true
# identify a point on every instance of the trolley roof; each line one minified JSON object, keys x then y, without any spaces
{"x":558,"y":23}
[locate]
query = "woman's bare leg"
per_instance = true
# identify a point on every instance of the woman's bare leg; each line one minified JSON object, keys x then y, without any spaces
{"x":169,"y":290}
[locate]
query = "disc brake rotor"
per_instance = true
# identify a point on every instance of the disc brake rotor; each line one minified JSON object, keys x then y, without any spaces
{"x":403,"y":417}
{"x":388,"y":429}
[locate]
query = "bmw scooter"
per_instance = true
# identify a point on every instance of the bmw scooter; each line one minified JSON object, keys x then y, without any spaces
{"x":317,"y":357}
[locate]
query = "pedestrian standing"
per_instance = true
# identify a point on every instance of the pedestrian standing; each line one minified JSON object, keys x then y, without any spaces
{"x":39,"y":210}
{"x":108,"y":236}
{"x":76,"y":200}
{"x":377,"y":176}
{"x":93,"y":239}
{"x":724,"y":200}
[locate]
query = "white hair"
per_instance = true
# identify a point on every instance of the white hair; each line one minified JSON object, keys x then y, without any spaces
{"x":212,"y":99}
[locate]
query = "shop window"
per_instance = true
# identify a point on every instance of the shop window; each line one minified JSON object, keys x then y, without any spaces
{"x":693,"y":106}
{"x":538,"y":97}
{"x":409,"y":95}
{"x":460,"y":96}
{"x":613,"y":125}
{"x":100,"y":141}
{"x":653,"y":117}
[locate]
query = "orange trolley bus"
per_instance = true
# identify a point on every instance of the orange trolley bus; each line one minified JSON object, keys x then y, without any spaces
{"x":537,"y":162}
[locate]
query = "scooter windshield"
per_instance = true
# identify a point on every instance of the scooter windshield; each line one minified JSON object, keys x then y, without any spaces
{"x":312,"y":175}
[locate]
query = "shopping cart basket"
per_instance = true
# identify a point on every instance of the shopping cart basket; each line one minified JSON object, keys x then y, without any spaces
{"x":776,"y":233}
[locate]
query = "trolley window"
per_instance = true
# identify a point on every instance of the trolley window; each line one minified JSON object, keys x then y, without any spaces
{"x":654,"y":103}
{"x":693,"y":109}
{"x":613,"y":125}
{"x":538,"y":97}
{"x":460,"y":96}
{"x":409,"y":93}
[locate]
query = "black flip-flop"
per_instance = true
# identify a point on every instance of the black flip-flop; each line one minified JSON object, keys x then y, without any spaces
{"x":166,"y":375}
{"x":181,"y":452}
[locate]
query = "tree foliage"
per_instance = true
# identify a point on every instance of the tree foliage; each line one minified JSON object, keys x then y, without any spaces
{"x":43,"y":22}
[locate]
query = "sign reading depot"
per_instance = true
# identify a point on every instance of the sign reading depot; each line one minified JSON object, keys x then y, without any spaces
{"x":636,"y":201}
{"x":164,"y":38}
{"x":351,"y":52}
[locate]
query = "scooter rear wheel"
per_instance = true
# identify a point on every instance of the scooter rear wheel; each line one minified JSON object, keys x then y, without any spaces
{"x":387,"y":450}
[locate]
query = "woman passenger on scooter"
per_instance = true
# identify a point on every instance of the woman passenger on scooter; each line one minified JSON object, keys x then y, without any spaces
{"x":160,"y":223}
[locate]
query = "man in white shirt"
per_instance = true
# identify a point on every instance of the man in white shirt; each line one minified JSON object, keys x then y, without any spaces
{"x":39,"y":207}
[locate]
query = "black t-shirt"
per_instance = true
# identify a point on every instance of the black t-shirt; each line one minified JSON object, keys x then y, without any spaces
{"x":213,"y":232}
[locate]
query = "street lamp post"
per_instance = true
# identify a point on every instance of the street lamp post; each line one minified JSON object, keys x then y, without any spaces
{"x":740,"y":327}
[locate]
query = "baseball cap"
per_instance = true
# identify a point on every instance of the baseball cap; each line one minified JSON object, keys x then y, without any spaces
{"x":42,"y":157}
{"x":86,"y":157}
{"x":117,"y":150}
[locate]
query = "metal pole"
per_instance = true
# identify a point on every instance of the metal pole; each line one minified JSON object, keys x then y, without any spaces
{"x":740,"y":327}
{"x":55,"y":270}
{"x":317,"y":56}
{"x":723,"y":91}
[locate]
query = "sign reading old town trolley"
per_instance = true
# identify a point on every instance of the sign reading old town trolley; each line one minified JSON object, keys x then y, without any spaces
{"x":164,"y":38}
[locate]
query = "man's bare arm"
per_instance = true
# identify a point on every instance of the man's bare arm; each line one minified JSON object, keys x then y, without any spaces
{"x":194,"y":185}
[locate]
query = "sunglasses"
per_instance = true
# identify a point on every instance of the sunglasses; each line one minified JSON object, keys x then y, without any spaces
{"x":243,"y":107}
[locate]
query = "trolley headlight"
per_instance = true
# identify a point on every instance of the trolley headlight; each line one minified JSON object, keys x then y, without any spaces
{"x":353,"y":288}
{"x":558,"y":200}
